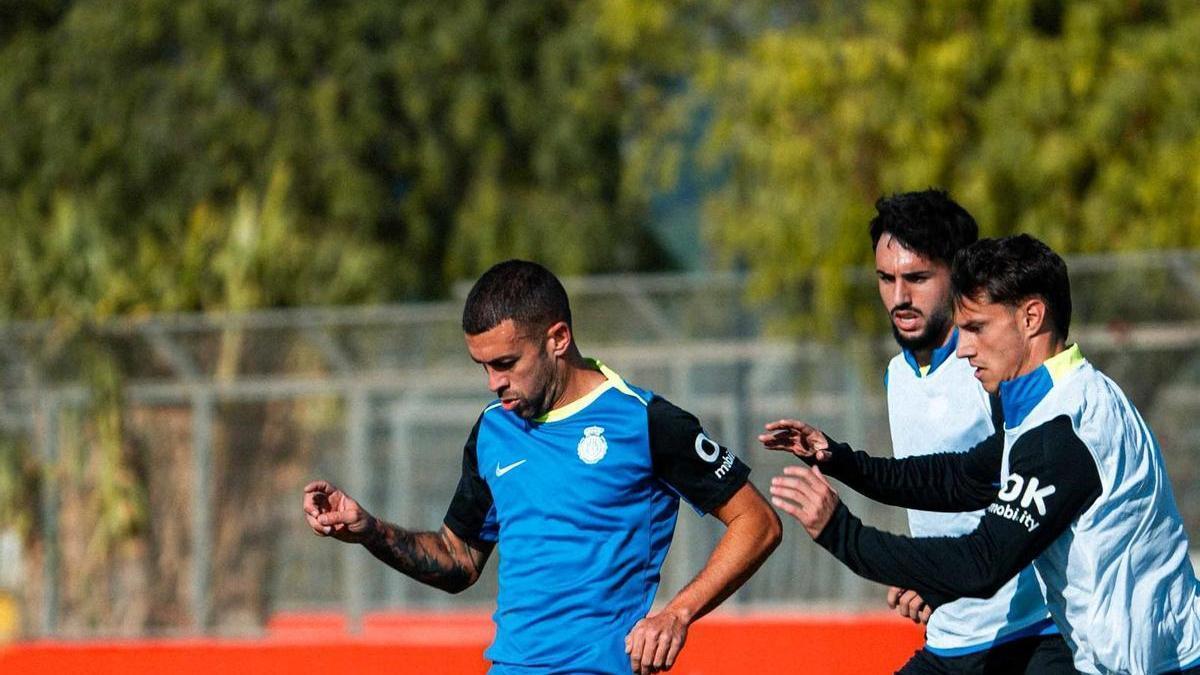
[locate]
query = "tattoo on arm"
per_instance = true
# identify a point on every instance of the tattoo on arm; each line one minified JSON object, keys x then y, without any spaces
{"x":439,"y":559}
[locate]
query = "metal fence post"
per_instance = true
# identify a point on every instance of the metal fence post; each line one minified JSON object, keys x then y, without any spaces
{"x":854,"y":355}
{"x":202,"y":422}
{"x":401,"y":484}
{"x":47,"y":440}
{"x":357,"y":419}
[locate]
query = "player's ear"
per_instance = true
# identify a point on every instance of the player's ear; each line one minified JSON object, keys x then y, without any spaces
{"x":558,"y":338}
{"x":1031,"y":316}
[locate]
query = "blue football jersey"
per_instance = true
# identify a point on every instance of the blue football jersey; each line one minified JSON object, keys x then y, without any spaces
{"x":582,"y":504}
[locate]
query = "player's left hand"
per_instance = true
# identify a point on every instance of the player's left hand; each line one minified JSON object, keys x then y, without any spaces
{"x":655,"y":642}
{"x":806,"y":495}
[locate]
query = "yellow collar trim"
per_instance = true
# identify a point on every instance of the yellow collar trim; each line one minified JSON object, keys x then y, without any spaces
{"x":611,"y":380}
{"x":1064,"y":363}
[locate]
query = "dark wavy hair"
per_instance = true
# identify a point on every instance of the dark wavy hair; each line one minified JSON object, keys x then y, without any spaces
{"x":928,"y":222}
{"x":1011,"y":269}
{"x":520,"y":290}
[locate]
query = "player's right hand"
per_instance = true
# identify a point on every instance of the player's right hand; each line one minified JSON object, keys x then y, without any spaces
{"x":909,"y":605}
{"x":806,"y":495}
{"x":332,"y":513}
{"x":654,"y":642}
{"x":802,"y":440}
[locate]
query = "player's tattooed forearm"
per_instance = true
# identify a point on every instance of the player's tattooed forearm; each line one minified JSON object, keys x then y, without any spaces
{"x":427,"y":557}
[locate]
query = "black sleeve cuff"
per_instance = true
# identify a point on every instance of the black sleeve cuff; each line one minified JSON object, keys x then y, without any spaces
{"x":832,"y":538}
{"x":841,"y":459}
{"x":460,"y":530}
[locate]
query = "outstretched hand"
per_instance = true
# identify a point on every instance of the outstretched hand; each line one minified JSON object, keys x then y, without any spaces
{"x":804,"y":494}
{"x":332,"y":513}
{"x":800,"y":439}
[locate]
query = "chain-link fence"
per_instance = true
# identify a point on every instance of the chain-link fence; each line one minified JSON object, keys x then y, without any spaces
{"x":159,"y":462}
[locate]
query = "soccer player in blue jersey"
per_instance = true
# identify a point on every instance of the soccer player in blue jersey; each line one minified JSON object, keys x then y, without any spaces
{"x":576,"y":476}
{"x":1075,"y":482}
{"x":935,"y":404}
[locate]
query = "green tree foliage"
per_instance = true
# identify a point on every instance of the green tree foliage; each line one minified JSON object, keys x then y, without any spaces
{"x":1074,"y":121}
{"x":421,"y":140}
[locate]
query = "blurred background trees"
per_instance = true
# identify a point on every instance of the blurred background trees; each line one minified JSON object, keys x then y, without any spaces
{"x":1069,"y":120}
{"x":221,"y":155}
{"x":226,"y":155}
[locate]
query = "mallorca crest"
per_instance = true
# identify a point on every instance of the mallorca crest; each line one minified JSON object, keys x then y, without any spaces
{"x":592,"y":447}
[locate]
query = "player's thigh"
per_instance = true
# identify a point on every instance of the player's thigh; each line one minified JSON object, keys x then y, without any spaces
{"x":1037,"y":655}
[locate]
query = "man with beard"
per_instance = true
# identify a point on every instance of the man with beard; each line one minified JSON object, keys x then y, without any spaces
{"x":935,"y":404}
{"x":576,"y":475}
{"x":1075,"y":483}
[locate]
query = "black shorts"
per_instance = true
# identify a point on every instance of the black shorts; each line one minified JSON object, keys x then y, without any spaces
{"x":1035,"y":655}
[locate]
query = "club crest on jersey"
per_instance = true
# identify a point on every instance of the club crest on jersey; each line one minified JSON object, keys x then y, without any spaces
{"x":592,"y":447}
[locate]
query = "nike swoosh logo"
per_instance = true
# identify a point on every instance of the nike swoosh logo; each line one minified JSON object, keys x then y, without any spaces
{"x":501,"y":470}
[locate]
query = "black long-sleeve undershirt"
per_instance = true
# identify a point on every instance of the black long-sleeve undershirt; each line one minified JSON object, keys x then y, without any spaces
{"x":1052,"y":480}
{"x":951,"y":482}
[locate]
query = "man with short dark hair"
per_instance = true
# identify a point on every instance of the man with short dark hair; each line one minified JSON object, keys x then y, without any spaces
{"x":1075,"y":483}
{"x":576,"y":475}
{"x":935,"y":404}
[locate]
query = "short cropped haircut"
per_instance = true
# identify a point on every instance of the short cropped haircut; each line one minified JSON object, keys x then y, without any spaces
{"x":523,"y":291}
{"x":928,"y":223}
{"x":1012,"y":269}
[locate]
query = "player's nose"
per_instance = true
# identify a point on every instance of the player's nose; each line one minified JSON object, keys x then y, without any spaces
{"x":964,"y":349}
{"x":497,"y":381}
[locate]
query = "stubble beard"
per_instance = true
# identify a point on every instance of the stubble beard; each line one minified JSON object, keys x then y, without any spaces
{"x":549,"y":389}
{"x":936,"y":327}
